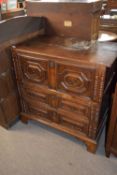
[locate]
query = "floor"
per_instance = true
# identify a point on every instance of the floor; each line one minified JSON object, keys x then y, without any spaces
{"x":35,"y":149}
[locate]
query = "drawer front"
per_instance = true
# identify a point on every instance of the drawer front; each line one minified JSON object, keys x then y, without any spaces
{"x":33,"y":104}
{"x":31,"y":69}
{"x":76,"y":80}
{"x":74,"y":113}
{"x":66,"y":122}
{"x":31,"y":93}
{"x":59,"y":108}
{"x":38,"y":111}
{"x":58,"y":101}
{"x":75,"y":109}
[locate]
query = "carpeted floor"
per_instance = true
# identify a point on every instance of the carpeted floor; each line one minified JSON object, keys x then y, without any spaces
{"x":35,"y":149}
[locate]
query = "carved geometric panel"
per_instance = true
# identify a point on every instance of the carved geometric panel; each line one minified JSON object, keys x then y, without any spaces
{"x":33,"y":70}
{"x":74,"y":81}
{"x":79,"y":81}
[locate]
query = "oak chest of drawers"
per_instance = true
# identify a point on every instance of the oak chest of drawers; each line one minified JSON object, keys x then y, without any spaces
{"x":65,"y":88}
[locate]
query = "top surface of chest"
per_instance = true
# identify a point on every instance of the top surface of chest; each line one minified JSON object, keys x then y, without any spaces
{"x":70,"y":49}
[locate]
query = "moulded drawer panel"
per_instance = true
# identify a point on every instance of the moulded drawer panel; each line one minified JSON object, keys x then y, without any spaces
{"x":63,"y":118}
{"x":33,"y":103}
{"x":76,"y":80}
{"x":75,"y":110}
{"x":73,"y":125}
{"x":32,"y":69}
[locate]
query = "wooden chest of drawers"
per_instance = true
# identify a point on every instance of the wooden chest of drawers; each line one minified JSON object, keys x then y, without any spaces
{"x":65,"y":88}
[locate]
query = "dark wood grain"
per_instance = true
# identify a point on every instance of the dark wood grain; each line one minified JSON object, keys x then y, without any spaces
{"x":11,"y":32}
{"x":19,"y":26}
{"x":76,"y":19}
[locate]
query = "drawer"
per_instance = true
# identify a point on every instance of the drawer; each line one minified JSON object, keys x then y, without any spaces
{"x":39,"y":94}
{"x":42,"y":112}
{"x":62,"y":102}
{"x":31,"y":69}
{"x":80,"y":126}
{"x":76,"y":80}
{"x":62,"y":118}
{"x":37,"y":109}
{"x":75,"y":109}
{"x":31,"y":93}
{"x":56,"y":107}
{"x":36,"y":101}
{"x":33,"y":104}
{"x":75,"y":113}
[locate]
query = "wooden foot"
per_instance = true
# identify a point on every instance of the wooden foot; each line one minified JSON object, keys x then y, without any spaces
{"x":91,"y":147}
{"x":24,"y":119}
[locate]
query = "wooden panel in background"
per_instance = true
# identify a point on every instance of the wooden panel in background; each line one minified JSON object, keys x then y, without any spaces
{"x":76,"y":19}
{"x":13,"y":31}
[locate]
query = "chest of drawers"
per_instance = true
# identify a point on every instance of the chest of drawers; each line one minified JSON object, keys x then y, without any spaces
{"x":65,"y":88}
